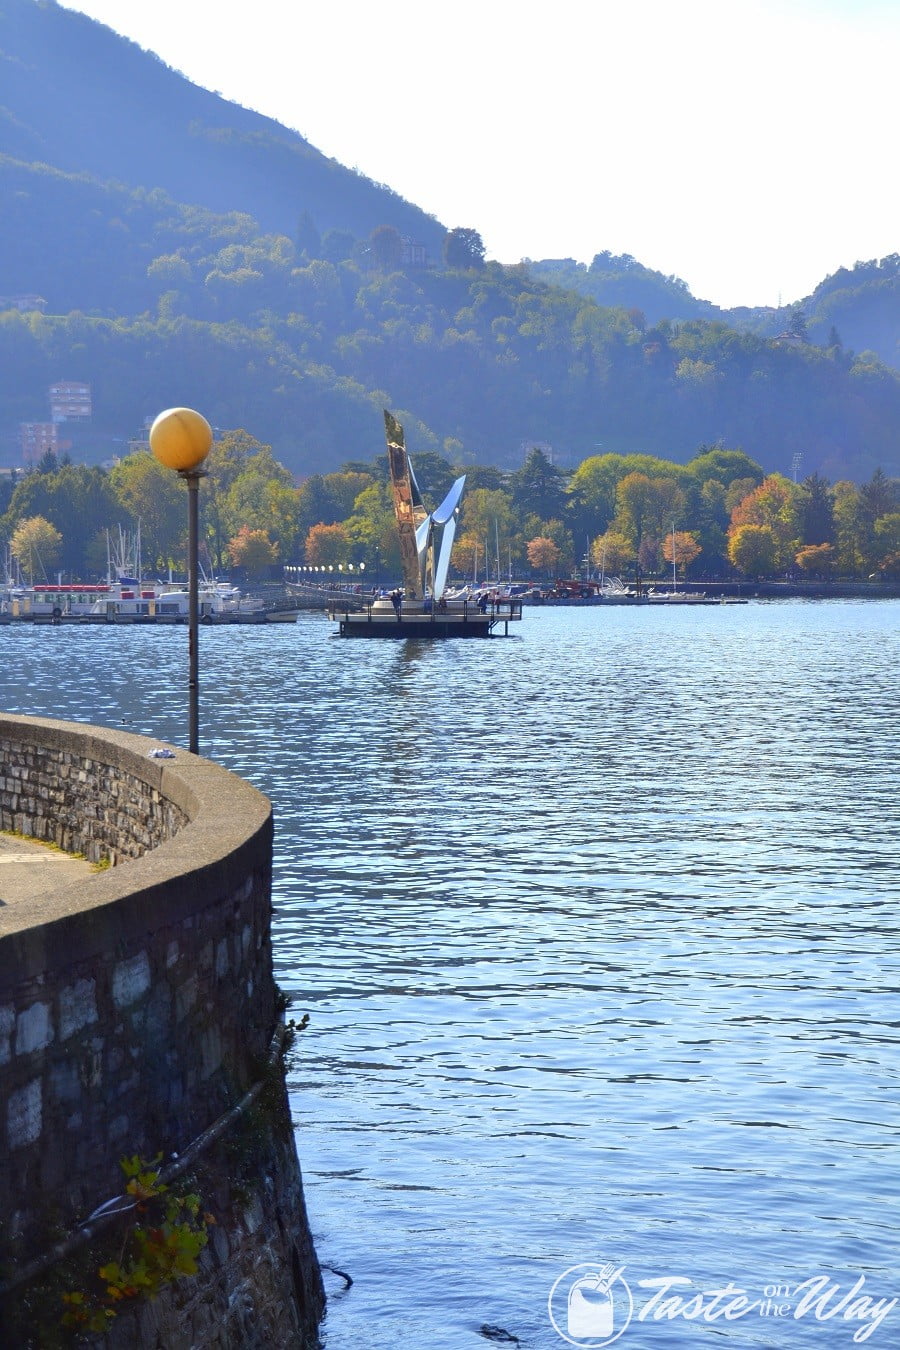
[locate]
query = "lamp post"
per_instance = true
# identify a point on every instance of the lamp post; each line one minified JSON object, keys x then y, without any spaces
{"x":181,"y":439}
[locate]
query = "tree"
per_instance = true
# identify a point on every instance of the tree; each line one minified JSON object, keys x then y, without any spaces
{"x":156,"y":499}
{"x":48,"y":463}
{"x":775,"y":504}
{"x":307,"y":239}
{"x":386,"y":248}
{"x":645,"y":510}
{"x":879,"y":496}
{"x":464,"y":249}
{"x":372,"y":529}
{"x":816,"y":511}
{"x":543,"y":555}
{"x":849,"y":528}
{"x":78,"y":499}
{"x":887,"y":543}
{"x":752,"y":549}
{"x":817,"y":560}
{"x":612,"y":552}
{"x":681,"y":548}
{"x":35,"y":545}
{"x":253,"y":550}
{"x":538,"y":488}
{"x":797,"y":322}
{"x":327,"y":544}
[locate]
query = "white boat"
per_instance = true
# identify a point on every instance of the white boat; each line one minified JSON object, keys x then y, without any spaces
{"x":675,"y":596}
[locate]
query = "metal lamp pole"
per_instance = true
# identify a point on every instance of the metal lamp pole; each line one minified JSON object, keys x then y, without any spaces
{"x":181,"y":439}
{"x":192,"y":478}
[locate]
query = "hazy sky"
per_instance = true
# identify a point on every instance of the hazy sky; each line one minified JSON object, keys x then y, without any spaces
{"x":747,"y":146}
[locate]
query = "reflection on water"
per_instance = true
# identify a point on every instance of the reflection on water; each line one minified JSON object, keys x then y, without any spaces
{"x":597,"y":928}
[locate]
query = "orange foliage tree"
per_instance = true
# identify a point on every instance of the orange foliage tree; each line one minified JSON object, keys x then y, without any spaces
{"x":682,"y":548}
{"x":327,"y":544}
{"x":253,"y":550}
{"x":543,"y":554}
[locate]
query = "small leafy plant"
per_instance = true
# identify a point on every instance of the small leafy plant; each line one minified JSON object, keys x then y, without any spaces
{"x":161,"y":1249}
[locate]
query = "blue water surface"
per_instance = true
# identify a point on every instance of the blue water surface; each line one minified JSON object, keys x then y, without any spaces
{"x":597,"y":931}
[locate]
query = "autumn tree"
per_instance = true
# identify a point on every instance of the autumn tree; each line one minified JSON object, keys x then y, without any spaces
{"x":253,"y":550}
{"x":327,"y":544}
{"x":35,"y":544}
{"x":816,"y":560}
{"x":681,"y":548}
{"x":774,"y":505}
{"x":752,"y":549}
{"x":543,"y":555}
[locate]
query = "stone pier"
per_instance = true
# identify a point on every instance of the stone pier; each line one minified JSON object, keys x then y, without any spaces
{"x":139,"y":1017}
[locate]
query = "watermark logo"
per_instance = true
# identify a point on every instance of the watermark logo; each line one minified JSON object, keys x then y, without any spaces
{"x":591,"y":1305}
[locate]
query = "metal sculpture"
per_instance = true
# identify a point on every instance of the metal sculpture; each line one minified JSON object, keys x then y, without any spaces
{"x":426,"y":538}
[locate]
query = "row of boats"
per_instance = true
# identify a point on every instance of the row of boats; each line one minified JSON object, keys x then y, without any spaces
{"x":608,"y":591}
{"x":130,"y":600}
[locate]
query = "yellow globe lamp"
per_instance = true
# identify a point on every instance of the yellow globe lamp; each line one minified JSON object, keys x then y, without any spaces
{"x":181,"y":438}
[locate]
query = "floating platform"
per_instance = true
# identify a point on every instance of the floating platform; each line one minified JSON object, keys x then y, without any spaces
{"x":466,"y":620}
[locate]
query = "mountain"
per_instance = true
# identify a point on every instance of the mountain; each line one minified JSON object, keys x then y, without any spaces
{"x":167,"y":247}
{"x":80,"y":98}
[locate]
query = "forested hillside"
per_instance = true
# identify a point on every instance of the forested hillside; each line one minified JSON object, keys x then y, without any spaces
{"x":187,"y":251}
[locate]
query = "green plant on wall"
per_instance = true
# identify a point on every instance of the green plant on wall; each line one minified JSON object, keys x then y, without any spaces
{"x":162,"y":1248}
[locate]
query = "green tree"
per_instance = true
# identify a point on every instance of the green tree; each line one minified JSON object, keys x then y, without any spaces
{"x":464,"y":249}
{"x":155,"y":499}
{"x":887,"y":543}
{"x":816,"y":511}
{"x":612,"y":552}
{"x":538,"y":488}
{"x":372,"y":531}
{"x":386,"y":248}
{"x":78,"y":500}
{"x":263,"y":497}
{"x":850,"y":528}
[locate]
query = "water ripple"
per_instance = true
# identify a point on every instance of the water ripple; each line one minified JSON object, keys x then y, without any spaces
{"x":598,"y":931}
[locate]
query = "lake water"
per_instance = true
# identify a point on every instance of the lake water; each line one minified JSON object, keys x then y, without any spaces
{"x":597,"y":928}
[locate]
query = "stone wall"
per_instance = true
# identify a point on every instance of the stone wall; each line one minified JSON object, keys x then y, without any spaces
{"x":136,"y":1008}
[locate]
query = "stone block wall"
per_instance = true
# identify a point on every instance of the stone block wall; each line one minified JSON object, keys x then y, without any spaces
{"x":136,"y":1008}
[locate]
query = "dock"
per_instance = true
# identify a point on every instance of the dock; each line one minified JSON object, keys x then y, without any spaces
{"x":378,"y":619}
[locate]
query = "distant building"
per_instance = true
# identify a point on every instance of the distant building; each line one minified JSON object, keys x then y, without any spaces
{"x":25,"y":304}
{"x":70,"y":401}
{"x":36,"y":438}
{"x":414,"y":254}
